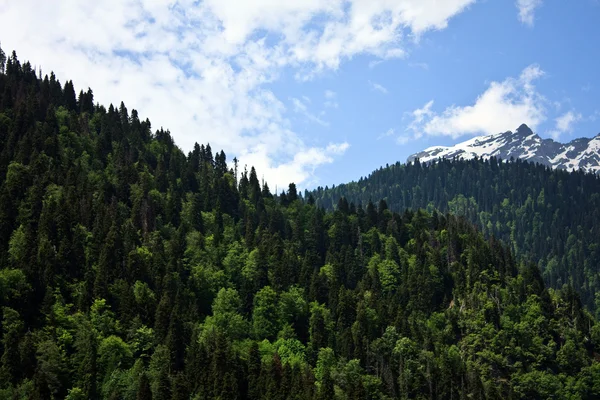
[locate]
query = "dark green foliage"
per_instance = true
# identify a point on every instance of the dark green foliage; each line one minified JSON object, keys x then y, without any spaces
{"x":131,"y":271}
{"x":548,"y":217}
{"x":12,"y":327}
{"x":144,"y":392}
{"x":2,"y":59}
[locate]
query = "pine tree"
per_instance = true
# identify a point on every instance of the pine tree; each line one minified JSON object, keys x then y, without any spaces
{"x":85,"y":359}
{"x":2,"y":59}
{"x":253,"y":377}
{"x":70,"y":100}
{"x":12,"y":327}
{"x":144,"y":392}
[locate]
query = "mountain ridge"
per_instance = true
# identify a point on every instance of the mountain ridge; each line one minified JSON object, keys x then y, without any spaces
{"x":523,"y":143}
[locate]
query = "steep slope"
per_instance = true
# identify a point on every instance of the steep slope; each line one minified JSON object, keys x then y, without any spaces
{"x":550,"y":217}
{"x":583,"y":153}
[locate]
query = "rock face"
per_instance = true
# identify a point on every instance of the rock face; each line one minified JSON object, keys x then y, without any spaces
{"x":583,"y":153}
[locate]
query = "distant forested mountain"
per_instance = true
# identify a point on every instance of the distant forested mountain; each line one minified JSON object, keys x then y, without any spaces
{"x":131,"y":270}
{"x":549,"y":217}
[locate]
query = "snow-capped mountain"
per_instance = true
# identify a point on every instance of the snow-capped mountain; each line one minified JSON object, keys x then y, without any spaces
{"x":583,"y":153}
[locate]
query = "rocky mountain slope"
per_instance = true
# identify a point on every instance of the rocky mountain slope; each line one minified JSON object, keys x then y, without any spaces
{"x":582,"y":153}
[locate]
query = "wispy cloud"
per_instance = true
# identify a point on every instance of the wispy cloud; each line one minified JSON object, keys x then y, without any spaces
{"x":388,"y":133}
{"x":503,"y":106}
{"x":419,"y":117}
{"x":374,"y":63}
{"x":330,"y":99}
{"x":403,"y":139}
{"x":302,"y":108}
{"x":202,"y":68}
{"x":527,"y":10}
{"x":564,"y":124}
{"x":421,"y":65}
{"x":377,"y":87}
{"x":399,"y":139}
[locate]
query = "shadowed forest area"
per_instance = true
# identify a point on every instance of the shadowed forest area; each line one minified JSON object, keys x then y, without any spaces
{"x":545,"y":216}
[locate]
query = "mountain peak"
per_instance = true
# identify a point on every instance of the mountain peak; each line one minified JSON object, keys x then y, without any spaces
{"x":582,"y":153}
{"x":524,"y":130}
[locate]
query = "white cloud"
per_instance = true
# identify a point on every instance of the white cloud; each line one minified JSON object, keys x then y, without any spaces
{"x":338,"y":148}
{"x":296,"y":169}
{"x":200,"y":68}
{"x":421,"y":113}
{"x":564,"y":124}
{"x":421,"y":65}
{"x":374,"y":63}
{"x":418,"y":119}
{"x":388,"y":133}
{"x":299,"y":106}
{"x":503,"y":106}
{"x":330,"y":94}
{"x":330,"y":101}
{"x":403,"y":139}
{"x":400,"y":139}
{"x":377,"y":87}
{"x":527,"y":10}
{"x":302,"y":108}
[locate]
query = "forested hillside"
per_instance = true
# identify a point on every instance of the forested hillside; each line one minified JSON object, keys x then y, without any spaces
{"x":130,"y":270}
{"x":548,"y":217}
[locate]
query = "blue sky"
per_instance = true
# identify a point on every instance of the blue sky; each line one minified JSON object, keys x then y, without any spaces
{"x":453,"y":67}
{"x":323,"y":92}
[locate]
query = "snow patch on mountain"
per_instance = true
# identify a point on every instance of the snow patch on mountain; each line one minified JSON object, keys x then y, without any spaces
{"x":583,"y":153}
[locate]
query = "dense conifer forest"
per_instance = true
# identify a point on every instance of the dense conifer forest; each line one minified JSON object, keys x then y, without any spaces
{"x":549,"y":217}
{"x":131,"y":270}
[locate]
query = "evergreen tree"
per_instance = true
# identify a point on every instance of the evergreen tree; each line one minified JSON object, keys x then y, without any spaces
{"x":144,"y":392}
{"x":70,"y":100}
{"x":2,"y":59}
{"x":12,"y":326}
